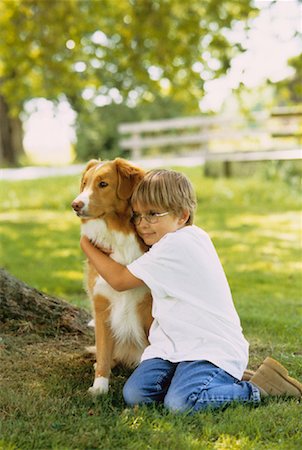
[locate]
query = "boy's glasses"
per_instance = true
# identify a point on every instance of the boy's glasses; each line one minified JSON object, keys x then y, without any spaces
{"x":151,"y":217}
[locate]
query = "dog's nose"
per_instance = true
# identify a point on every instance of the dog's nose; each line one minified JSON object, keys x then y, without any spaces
{"x":77,"y":205}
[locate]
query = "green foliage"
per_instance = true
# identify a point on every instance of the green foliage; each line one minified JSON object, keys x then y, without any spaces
{"x":97,"y":127}
{"x":135,"y":52}
{"x":255,"y":225}
{"x":60,"y":50}
{"x":35,"y":61}
{"x":290,"y":90}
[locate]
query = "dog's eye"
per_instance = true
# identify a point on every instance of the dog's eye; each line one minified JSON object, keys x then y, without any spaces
{"x":103,"y":184}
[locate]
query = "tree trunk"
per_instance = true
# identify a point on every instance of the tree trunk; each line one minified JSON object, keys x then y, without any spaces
{"x":11,"y":136}
{"x":23,"y":308}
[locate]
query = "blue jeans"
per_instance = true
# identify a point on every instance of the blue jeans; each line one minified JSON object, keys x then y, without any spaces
{"x":186,"y":386}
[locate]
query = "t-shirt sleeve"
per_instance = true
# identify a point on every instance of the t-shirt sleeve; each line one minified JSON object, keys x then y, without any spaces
{"x":160,"y":265}
{"x":147,"y":268}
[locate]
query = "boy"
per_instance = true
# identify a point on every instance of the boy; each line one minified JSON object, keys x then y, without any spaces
{"x":197,"y":352}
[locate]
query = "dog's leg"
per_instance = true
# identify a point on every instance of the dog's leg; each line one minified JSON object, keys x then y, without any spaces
{"x":104,"y":346}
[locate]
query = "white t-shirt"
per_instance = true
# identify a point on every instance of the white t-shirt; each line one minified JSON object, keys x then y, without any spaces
{"x":193,"y":310}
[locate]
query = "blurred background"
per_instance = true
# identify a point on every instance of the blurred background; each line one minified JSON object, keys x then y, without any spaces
{"x":73,"y":71}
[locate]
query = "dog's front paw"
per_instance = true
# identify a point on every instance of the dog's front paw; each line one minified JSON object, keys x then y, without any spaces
{"x":100,"y":386}
{"x":91,"y":323}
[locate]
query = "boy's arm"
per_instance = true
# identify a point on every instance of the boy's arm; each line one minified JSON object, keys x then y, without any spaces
{"x":117,"y":275}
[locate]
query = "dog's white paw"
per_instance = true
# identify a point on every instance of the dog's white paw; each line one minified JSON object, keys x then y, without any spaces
{"x":90,"y":350}
{"x":91,"y":323}
{"x":100,"y":386}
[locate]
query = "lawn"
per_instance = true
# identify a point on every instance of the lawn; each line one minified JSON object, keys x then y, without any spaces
{"x":256,"y":227}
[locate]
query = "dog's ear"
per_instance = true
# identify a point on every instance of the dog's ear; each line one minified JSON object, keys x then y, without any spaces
{"x":90,"y":164}
{"x":128,"y":177}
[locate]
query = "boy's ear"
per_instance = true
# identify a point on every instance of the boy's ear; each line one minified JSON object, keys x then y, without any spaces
{"x":128,"y":177}
{"x":184,"y":217}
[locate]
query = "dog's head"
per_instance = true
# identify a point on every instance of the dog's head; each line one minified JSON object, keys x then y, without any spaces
{"x":106,"y":188}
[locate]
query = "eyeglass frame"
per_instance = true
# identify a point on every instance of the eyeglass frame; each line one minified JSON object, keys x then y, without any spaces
{"x":137,"y":218}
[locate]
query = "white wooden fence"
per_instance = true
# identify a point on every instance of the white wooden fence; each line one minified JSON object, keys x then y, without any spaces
{"x":275,"y":136}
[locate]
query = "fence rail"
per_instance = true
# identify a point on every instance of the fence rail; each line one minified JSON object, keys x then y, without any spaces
{"x":275,"y":136}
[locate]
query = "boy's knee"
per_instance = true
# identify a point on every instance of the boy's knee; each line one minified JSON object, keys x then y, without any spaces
{"x":131,"y":395}
{"x":128,"y":395}
{"x":176,"y":404}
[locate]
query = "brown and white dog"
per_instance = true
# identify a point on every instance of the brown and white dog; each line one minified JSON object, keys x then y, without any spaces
{"x":122,"y":319}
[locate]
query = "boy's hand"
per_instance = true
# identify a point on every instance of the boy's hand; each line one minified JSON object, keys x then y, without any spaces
{"x":106,"y":251}
{"x":117,"y":275}
{"x":86,"y":243}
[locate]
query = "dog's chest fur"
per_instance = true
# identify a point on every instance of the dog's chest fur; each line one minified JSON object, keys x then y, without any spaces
{"x":124,"y":249}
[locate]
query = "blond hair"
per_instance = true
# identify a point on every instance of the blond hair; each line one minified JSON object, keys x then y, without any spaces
{"x":168,"y":190}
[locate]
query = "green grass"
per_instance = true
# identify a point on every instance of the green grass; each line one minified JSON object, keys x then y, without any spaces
{"x":256,"y":227}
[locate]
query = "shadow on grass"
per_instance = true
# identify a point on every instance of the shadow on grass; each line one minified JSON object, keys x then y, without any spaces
{"x":51,"y":409}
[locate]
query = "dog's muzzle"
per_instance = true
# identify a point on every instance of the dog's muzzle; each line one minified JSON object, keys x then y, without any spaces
{"x":78,"y":207}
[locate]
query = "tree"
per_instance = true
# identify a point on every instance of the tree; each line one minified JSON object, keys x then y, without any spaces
{"x":34,"y":61}
{"x":129,"y":51}
{"x":24,"y":307}
{"x":11,"y":135}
